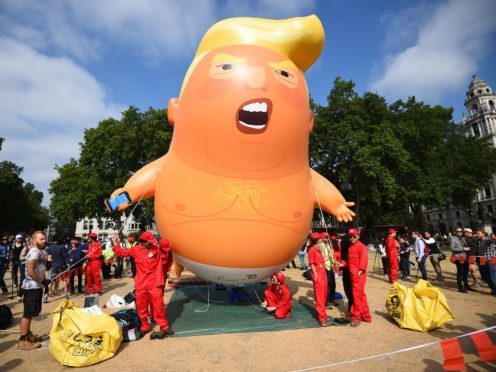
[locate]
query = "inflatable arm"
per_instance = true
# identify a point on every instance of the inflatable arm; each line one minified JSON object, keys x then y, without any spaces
{"x":141,"y":185}
{"x":331,"y":200}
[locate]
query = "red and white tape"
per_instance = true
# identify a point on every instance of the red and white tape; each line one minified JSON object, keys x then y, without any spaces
{"x":416,"y":347}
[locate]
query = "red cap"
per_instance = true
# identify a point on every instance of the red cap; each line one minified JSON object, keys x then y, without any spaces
{"x":315,"y":236}
{"x":392,"y":231}
{"x":130,"y":238}
{"x":353,"y":231}
{"x":324,"y":235}
{"x":333,"y":237}
{"x":148,"y":237}
{"x":92,"y":235}
{"x":164,"y":244}
{"x":280,"y":277}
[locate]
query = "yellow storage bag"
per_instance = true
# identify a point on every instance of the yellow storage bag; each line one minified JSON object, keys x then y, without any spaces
{"x":421,"y":308}
{"x":80,"y":339}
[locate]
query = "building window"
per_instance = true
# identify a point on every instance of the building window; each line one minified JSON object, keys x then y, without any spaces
{"x":487,"y":191}
{"x":428,"y":217}
{"x":475,"y":128}
{"x":457,"y":214}
{"x":134,"y":226}
{"x":440,"y":216}
{"x":474,"y":109}
{"x":490,"y":209}
{"x":91,"y":225}
{"x":85,"y":225}
{"x":491,"y":105}
{"x":479,"y":91}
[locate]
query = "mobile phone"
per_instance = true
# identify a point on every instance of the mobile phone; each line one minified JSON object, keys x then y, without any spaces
{"x":113,"y":204}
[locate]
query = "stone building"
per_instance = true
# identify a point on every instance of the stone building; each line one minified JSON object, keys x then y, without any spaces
{"x":479,"y":121}
{"x":106,"y":228}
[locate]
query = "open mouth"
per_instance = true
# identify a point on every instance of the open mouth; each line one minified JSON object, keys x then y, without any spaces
{"x":253,"y":115}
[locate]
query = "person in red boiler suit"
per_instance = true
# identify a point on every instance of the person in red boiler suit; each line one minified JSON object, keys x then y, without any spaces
{"x":392,"y":255}
{"x":93,"y":265}
{"x":357,"y":265}
{"x":278,"y":297}
{"x":151,"y":273}
{"x":319,"y":278}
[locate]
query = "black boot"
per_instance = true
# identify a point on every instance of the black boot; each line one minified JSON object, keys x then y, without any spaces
{"x":461,"y":289}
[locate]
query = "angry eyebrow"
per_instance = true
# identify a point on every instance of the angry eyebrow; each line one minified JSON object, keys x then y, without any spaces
{"x":229,"y":58}
{"x":283,"y":64}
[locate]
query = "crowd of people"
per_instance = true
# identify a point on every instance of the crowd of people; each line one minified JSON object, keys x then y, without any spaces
{"x":345,"y":255}
{"x":149,"y":261}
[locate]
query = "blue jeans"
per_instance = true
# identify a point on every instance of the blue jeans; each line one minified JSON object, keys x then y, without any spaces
{"x":3,"y":268}
{"x":301,"y":255}
{"x":491,"y":276}
{"x":421,"y":266}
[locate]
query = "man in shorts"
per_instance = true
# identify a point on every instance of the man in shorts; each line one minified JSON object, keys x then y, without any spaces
{"x":58,"y":253}
{"x":32,"y":288}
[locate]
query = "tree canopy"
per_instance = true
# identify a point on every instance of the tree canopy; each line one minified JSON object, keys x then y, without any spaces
{"x":393,"y":159}
{"x":110,"y":153}
{"x":20,"y":202}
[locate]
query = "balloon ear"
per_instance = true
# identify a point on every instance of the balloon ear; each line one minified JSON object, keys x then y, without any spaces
{"x":171,"y":110}
{"x":310,"y":124}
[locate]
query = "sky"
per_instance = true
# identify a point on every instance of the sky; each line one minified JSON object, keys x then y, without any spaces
{"x":65,"y":65}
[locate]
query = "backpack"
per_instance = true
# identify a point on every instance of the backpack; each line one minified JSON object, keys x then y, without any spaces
{"x":5,"y":316}
{"x":129,"y":321}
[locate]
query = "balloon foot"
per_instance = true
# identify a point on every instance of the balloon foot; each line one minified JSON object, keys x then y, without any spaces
{"x":238,"y":294}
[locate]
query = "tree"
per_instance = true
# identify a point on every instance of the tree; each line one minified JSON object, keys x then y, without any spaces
{"x":20,"y":203}
{"x":110,"y":154}
{"x":354,"y":145}
{"x":393,"y":159}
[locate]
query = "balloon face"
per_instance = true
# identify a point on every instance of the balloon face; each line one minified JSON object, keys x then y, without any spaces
{"x":248,"y":102}
{"x":234,"y":196}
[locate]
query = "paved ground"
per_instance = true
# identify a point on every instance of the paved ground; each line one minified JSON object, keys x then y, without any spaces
{"x":281,"y":350}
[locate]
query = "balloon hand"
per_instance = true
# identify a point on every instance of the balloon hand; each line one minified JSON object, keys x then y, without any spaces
{"x":116,"y":193}
{"x":343,"y":213}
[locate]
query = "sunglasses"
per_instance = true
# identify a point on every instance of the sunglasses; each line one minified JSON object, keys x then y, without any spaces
{"x":458,"y":231}
{"x":354,"y":236}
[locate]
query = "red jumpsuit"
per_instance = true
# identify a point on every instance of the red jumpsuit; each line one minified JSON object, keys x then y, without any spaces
{"x":320,"y":283}
{"x":93,"y":268}
{"x":392,"y":255}
{"x":357,"y":260}
{"x":151,"y":272}
{"x":279,"y":296}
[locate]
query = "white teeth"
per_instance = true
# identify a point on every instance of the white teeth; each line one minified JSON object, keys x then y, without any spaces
{"x":252,"y":126}
{"x":256,"y":107}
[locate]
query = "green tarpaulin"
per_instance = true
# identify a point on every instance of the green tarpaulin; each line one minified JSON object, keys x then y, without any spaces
{"x":204,"y":310}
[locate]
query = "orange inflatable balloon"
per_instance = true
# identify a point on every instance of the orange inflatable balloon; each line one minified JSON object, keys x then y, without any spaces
{"x":235,"y":195}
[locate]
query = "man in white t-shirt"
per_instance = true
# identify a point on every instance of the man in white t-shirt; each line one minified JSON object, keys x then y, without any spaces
{"x":32,"y":288}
